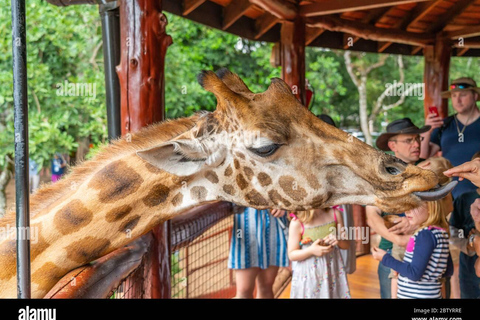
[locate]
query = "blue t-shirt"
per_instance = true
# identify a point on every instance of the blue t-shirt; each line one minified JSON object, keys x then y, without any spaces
{"x":459,"y":152}
{"x":56,"y":166}
{"x":33,"y":167}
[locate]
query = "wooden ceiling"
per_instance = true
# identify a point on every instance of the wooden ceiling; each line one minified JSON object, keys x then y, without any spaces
{"x":388,"y":26}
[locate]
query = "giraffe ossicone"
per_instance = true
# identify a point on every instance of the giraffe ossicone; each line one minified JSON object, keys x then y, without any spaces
{"x":263,"y":150}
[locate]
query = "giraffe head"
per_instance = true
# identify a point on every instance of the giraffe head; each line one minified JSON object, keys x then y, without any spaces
{"x":266,"y":150}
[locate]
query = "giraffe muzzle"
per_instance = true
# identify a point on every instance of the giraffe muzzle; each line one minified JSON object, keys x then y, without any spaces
{"x":436,"y":193}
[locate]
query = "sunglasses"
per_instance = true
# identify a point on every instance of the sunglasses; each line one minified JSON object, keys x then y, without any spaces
{"x":460,"y":86}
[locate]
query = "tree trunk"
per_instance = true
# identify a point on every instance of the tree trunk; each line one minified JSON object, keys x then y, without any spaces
{"x":82,"y":150}
{"x":363,"y":110}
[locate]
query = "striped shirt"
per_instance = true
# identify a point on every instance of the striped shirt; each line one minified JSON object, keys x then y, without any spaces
{"x":427,"y":259}
{"x":258,"y":240}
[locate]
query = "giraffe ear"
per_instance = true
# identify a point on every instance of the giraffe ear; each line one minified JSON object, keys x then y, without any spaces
{"x":183,"y":157}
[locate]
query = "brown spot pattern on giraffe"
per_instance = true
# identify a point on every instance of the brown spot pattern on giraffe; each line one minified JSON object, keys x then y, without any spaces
{"x":240,"y":155}
{"x":39,"y":246}
{"x":241,"y":182}
{"x":198,"y":193}
{"x":254,"y":198}
{"x":236,"y":164}
{"x":47,"y":275}
{"x":291,"y":188}
{"x":278,"y":199}
{"x":211,"y":176}
{"x":157,"y":195}
{"x":229,"y":189}
{"x":116,"y":181}
{"x":228,"y":171}
{"x":87,"y":249}
{"x":72,"y":217}
{"x":177,"y":199}
{"x":312,"y":181}
{"x":248,"y":172}
{"x":118,"y":213}
{"x":130,"y":224}
{"x":264,"y":179}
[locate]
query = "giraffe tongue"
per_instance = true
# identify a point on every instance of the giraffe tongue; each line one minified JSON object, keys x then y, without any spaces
{"x":436,"y":194}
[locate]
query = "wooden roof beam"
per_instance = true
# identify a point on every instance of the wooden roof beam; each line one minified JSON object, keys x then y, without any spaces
{"x":467,"y":32}
{"x":451,"y":14}
{"x":462,"y":51}
{"x":374,"y":15}
{"x":312,"y":34}
{"x":369,"y":32}
{"x":332,"y":7}
{"x":382,"y":46}
{"x":469,"y":45}
{"x":416,"y":50}
{"x":234,"y":11}
{"x":418,"y":13}
{"x":264,"y":23}
{"x":279,"y":8}
{"x":190,"y":5}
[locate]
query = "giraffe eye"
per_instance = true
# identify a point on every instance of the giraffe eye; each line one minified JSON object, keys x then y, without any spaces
{"x":265,"y":151}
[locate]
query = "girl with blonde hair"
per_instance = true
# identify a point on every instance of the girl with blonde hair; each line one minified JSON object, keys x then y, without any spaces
{"x":427,"y":257}
{"x":315,"y":237}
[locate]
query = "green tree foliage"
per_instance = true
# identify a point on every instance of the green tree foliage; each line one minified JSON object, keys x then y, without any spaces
{"x":63,"y":48}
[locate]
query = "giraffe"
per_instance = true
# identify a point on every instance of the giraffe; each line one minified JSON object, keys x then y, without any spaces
{"x":263,"y":150}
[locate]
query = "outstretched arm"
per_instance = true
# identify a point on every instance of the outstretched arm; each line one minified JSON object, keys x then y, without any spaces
{"x":424,"y":245}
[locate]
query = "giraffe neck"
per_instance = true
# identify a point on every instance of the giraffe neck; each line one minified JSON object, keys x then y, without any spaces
{"x":94,"y":213}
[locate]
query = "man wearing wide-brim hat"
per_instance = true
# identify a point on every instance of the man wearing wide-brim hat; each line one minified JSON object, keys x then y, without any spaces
{"x":403,"y":138}
{"x":457,"y":136}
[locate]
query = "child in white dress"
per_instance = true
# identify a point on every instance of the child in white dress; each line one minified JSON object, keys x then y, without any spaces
{"x":313,"y":247}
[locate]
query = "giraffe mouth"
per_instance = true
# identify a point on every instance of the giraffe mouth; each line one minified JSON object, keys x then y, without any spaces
{"x":436,"y":193}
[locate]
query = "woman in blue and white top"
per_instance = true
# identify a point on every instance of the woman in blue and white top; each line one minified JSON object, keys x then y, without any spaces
{"x":427,"y":257}
{"x":258,"y":247}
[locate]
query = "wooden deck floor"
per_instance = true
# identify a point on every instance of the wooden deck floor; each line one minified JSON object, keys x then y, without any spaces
{"x":363,"y":282}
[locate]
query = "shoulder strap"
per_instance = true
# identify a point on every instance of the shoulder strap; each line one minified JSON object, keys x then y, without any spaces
{"x":334,"y":212}
{"x":294,"y":217}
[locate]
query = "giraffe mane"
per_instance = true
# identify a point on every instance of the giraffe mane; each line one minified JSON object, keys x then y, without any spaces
{"x":148,"y":137}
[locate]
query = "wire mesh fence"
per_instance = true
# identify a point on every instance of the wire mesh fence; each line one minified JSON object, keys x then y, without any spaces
{"x":199,"y":270}
{"x":200,"y":249}
{"x":200,"y":243}
{"x":132,"y":287}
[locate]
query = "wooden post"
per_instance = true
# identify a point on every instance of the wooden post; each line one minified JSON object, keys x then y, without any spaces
{"x":360,"y":222}
{"x":292,"y":56}
{"x":144,"y":44}
{"x":437,"y":66}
